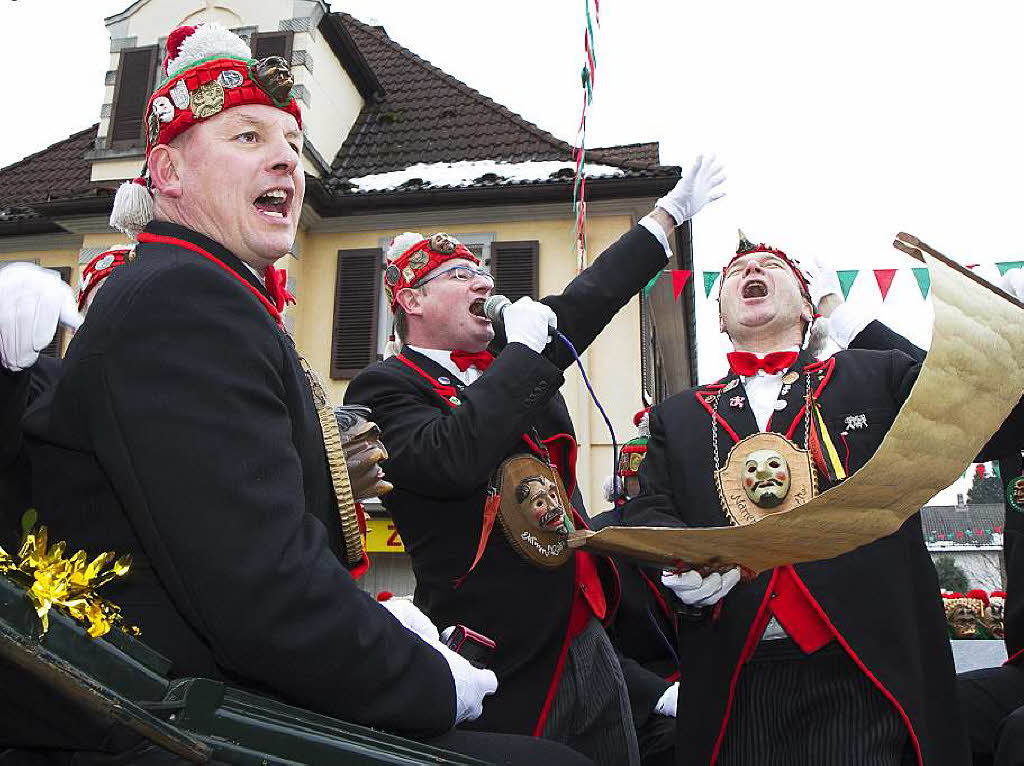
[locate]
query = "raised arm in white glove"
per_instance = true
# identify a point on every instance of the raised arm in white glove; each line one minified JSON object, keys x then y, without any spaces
{"x":694,"y":590}
{"x":668,"y":702}
{"x":1013,"y":283}
{"x":32,"y":301}
{"x":471,"y":684}
{"x":694,"y":190}
{"x":822,"y":280}
{"x":529,"y":322}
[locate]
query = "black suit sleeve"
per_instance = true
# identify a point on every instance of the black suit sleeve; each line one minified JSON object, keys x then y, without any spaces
{"x":589,"y":301}
{"x":452,"y":454}
{"x":643,"y":686}
{"x":1008,"y":440}
{"x":190,"y":399}
{"x":17,"y":391}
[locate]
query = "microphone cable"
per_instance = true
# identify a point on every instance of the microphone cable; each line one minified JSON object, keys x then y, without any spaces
{"x":607,"y":421}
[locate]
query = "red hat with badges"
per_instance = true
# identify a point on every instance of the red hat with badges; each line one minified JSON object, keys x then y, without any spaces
{"x":412,"y":256}
{"x":208,"y":69}
{"x":98,"y":269}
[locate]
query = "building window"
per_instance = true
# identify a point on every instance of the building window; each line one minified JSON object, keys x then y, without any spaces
{"x":136,"y":76}
{"x":263,"y":44}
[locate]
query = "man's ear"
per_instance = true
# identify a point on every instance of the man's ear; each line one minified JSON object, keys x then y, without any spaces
{"x":807,"y":312}
{"x":164,"y":164}
{"x":410,"y":302}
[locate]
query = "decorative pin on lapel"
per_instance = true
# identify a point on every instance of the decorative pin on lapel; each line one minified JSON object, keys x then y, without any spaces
{"x":444,"y":381}
{"x":737,"y":402}
{"x":780,"y":404}
{"x":785,"y":390}
{"x":455,"y":400}
{"x":853,"y":422}
{"x":790,"y":377}
{"x":731,"y":385}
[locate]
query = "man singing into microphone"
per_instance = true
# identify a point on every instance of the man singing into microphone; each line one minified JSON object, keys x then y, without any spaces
{"x":451,"y":413}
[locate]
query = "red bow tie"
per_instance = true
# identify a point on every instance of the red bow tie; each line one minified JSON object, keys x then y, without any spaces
{"x":275,"y":281}
{"x":464,"y":360}
{"x":746,"y":364}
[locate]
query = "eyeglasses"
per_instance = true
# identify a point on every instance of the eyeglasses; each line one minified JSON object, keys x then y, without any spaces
{"x":461,"y":273}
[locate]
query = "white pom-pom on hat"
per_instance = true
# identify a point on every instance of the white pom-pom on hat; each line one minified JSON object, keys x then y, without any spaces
{"x":133,"y":208}
{"x":207,"y":41}
{"x":644,"y":426}
{"x":401,"y":243}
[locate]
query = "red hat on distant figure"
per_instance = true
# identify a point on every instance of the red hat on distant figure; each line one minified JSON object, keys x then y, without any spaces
{"x":98,"y":269}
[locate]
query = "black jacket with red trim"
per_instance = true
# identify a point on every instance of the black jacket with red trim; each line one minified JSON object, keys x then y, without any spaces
{"x":878,"y":336}
{"x":882,"y":599}
{"x":441,"y":458}
{"x":182,"y":431}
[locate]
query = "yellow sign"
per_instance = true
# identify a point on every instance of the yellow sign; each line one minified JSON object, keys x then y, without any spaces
{"x":382,"y":536}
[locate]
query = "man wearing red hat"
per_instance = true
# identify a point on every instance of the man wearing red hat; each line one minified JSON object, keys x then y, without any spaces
{"x":842,"y":661}
{"x":451,"y":413}
{"x":183,"y":429}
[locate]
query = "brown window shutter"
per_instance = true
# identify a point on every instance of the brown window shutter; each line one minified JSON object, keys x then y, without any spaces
{"x":265,"y":44}
{"x":356,"y":295}
{"x":515,"y":267}
{"x":57,"y":343}
{"x":135,"y":76}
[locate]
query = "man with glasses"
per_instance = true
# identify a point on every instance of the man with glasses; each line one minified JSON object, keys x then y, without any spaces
{"x":451,"y":412}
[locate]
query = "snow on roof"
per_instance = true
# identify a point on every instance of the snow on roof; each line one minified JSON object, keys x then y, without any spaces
{"x":469,"y":173}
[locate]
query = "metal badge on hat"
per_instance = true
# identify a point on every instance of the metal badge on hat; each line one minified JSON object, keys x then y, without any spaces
{"x":1015,"y":494}
{"x":207,"y":100}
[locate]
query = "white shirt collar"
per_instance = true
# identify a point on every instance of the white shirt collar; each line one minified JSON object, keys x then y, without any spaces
{"x":444,"y":358}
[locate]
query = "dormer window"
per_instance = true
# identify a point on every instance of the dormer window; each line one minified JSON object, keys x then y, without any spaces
{"x":265,"y":44}
{"x":136,"y":75}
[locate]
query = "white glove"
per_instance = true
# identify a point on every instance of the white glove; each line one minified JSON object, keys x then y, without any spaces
{"x":694,"y":190}
{"x":32,"y":301}
{"x":1013,"y":283}
{"x":822,"y":280}
{"x":528,"y":322}
{"x":471,"y":684}
{"x":667,"y":704}
{"x":412,"y":618}
{"x":694,"y":590}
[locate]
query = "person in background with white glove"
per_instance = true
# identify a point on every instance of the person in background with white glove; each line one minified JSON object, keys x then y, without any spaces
{"x":452,"y":406}
{"x":33,"y":302}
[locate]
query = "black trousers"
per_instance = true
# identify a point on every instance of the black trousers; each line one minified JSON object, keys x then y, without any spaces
{"x":795,"y":709}
{"x":993,"y":705}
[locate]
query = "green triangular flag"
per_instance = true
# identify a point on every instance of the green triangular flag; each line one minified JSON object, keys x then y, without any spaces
{"x":650,"y":285}
{"x":846,"y":280}
{"x":1005,"y":266}
{"x":924,"y":280}
{"x":709,"y":282}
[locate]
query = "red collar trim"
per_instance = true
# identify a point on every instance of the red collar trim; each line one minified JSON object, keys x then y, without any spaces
{"x":163,"y":240}
{"x":445,"y":392}
{"x":721,"y":421}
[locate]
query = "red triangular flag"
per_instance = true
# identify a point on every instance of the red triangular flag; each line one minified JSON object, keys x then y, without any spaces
{"x":679,"y":279}
{"x":884,"y":279}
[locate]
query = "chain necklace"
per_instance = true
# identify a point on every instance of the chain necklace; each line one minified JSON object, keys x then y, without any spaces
{"x":808,"y":399}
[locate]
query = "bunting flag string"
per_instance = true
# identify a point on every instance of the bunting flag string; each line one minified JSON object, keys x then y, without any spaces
{"x":883,"y":278}
{"x":679,"y":279}
{"x":579,"y":150}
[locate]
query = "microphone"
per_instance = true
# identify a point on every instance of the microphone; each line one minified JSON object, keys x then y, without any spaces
{"x":494,"y":307}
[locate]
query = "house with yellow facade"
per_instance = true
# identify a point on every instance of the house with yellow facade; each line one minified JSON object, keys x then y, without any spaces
{"x":392,"y":144}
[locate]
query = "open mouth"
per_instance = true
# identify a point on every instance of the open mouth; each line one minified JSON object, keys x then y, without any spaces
{"x":476,"y":308}
{"x":755,"y":288}
{"x":549,"y":518}
{"x":768,"y":484}
{"x":274,"y":203}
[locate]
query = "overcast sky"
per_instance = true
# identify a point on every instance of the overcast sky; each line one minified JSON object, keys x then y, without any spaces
{"x":840,"y":124}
